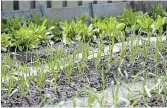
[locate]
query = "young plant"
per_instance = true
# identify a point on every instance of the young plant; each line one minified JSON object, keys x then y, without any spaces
{"x":85,"y":52}
{"x":145,"y":49}
{"x":69,"y":68}
{"x":134,"y":49}
{"x":22,"y":41}
{"x":5,"y":41}
{"x":103,"y":79}
{"x":145,"y":24}
{"x":157,"y":25}
{"x":129,"y":17}
{"x":157,"y":49}
{"x":41,"y":78}
{"x":11,"y":24}
{"x":123,"y":49}
{"x":79,"y":67}
{"x":24,"y":86}
{"x":111,"y":48}
{"x":115,"y":95}
{"x":144,"y":89}
{"x":158,"y":11}
{"x":99,"y":55}
{"x":11,"y":84}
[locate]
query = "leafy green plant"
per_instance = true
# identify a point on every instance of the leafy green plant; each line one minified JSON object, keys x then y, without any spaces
{"x":28,"y":37}
{"x":76,"y":31}
{"x":128,"y":17}
{"x":83,"y":18}
{"x":37,"y":19}
{"x":5,"y":41}
{"x":158,"y":11}
{"x":12,"y":23}
{"x":25,"y":38}
{"x":42,"y":33}
{"x":145,"y":23}
{"x":67,"y":32}
{"x":109,"y":27}
{"x":157,"y":25}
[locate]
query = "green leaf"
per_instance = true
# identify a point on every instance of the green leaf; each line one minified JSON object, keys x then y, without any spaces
{"x":120,"y":26}
{"x":44,"y":22}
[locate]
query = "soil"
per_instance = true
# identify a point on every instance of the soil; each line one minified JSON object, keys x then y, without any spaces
{"x":42,"y":52}
{"x":66,"y":89}
{"x":154,"y":101}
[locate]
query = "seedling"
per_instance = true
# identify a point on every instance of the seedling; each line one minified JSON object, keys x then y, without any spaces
{"x":115,"y":95}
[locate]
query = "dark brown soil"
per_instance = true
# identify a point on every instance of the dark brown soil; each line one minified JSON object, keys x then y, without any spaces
{"x":66,"y":89}
{"x":154,"y":101}
{"x":41,"y":52}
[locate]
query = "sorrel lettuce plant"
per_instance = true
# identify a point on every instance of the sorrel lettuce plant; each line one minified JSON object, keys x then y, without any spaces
{"x":110,"y":27}
{"x":128,"y":17}
{"x":37,"y":19}
{"x":145,"y":23}
{"x":5,"y":41}
{"x":157,"y":25}
{"x":42,"y":31}
{"x":83,"y":18}
{"x":12,"y":23}
{"x":25,"y":38}
{"x":158,"y":11}
{"x":76,"y":31}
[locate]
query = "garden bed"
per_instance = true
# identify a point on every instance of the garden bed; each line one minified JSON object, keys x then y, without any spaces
{"x":107,"y":97}
{"x":47,"y":63}
{"x":91,"y":77}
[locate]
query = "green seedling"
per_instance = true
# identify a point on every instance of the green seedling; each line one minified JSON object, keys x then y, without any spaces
{"x":135,"y":48}
{"x":10,"y":86}
{"x":134,"y":103}
{"x":123,"y":49}
{"x":157,"y":49}
{"x":99,"y":55}
{"x":24,"y":86}
{"x":41,"y":78}
{"x":103,"y":79}
{"x":145,"y":49}
{"x":115,"y":95}
{"x":85,"y":52}
{"x":69,"y":69}
{"x":123,"y":52}
{"x":80,"y":70}
{"x":6,"y":65}
{"x":143,"y":89}
{"x":91,"y":100}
